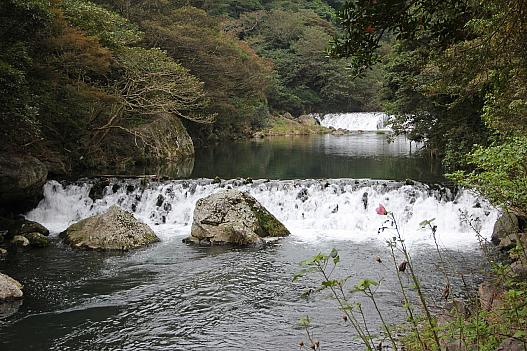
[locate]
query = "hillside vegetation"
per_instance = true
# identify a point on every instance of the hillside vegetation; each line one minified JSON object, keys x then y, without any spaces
{"x":110,"y":83}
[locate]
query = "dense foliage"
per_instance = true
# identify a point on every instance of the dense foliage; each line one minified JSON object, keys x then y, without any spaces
{"x":78,"y":88}
{"x":456,"y":80}
{"x":455,"y":77}
{"x":88,"y":81}
{"x":255,"y":57}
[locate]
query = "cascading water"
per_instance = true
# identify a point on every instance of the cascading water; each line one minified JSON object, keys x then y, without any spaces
{"x":313,"y":210}
{"x":359,"y":121}
{"x":174,"y":296}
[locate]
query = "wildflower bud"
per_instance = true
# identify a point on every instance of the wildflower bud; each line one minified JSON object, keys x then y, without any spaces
{"x":446,"y":292}
{"x":402,"y":266}
{"x":345,"y":318}
{"x":381,"y":210}
{"x":378,"y":259}
{"x":301,"y":343}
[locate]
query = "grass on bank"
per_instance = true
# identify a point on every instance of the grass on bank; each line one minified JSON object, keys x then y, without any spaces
{"x":279,"y":125}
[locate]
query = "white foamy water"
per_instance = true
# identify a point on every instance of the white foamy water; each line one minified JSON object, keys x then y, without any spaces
{"x":313,"y":210}
{"x":358,"y":121}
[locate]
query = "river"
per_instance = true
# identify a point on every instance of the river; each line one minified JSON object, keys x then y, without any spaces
{"x":171,"y":296}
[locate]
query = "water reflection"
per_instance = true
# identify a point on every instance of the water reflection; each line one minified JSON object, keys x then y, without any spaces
{"x":175,"y":170}
{"x":319,"y":156}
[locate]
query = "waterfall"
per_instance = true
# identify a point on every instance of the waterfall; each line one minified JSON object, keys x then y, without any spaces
{"x":313,"y":210}
{"x":359,"y":121}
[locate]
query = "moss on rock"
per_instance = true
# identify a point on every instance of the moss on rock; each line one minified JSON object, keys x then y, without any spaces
{"x":37,"y":240}
{"x":269,"y":226}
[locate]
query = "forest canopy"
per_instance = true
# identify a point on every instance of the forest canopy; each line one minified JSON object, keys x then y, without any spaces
{"x":82,"y":80}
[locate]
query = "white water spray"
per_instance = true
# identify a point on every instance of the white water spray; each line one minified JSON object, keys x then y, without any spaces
{"x":313,"y":210}
{"x":360,"y":121}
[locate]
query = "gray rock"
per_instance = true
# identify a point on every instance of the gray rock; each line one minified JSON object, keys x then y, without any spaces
{"x":233,"y":217}
{"x":506,"y":225}
{"x":511,"y":241}
{"x":519,"y":269}
{"x":20,"y":241}
{"x":37,"y":240}
{"x":340,"y":132}
{"x":115,"y":229}
{"x":507,"y":243}
{"x":307,"y":120}
{"x":97,"y":189}
{"x":28,"y":227}
{"x":21,"y":180}
{"x":11,"y":227}
{"x":169,"y":140}
{"x":511,"y":344}
{"x":10,"y":289}
{"x":452,"y":345}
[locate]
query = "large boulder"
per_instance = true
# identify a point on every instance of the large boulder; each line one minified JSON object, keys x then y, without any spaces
{"x":307,"y":120}
{"x":11,"y":227}
{"x":233,"y":217}
{"x":10,"y":289}
{"x":21,"y":180}
{"x":115,"y":229}
{"x":167,"y":138}
{"x":507,"y":224}
{"x":27,"y":227}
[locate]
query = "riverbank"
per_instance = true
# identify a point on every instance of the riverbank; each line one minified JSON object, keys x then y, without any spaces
{"x":493,"y":316}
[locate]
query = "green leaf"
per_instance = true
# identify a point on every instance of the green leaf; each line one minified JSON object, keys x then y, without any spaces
{"x":365,"y":284}
{"x":304,"y":322}
{"x":426,"y":222}
{"x":298,"y":275}
{"x":336,"y":260}
{"x":314,"y":260}
{"x":330,"y":283}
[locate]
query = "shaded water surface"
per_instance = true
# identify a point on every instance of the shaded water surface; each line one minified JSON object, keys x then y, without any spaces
{"x":175,"y":297}
{"x":367,"y":155}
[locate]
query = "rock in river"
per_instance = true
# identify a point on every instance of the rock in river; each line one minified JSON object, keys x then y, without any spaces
{"x":20,"y":241}
{"x":11,"y":227}
{"x":10,"y":289}
{"x":233,"y":217}
{"x":37,"y":240}
{"x":507,"y":224}
{"x":115,"y":229}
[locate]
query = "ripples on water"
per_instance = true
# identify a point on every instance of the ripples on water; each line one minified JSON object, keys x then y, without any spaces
{"x":175,"y":297}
